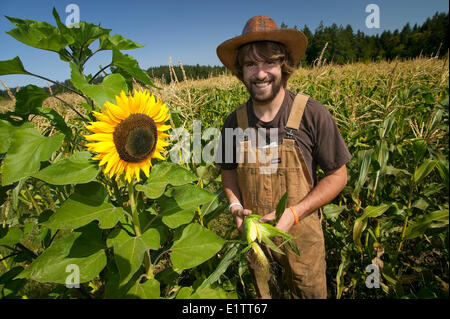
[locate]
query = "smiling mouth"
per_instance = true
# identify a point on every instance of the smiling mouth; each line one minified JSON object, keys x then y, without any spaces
{"x":262,"y":85}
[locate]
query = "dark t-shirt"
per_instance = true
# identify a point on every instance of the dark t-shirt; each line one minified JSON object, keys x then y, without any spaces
{"x":318,"y":137}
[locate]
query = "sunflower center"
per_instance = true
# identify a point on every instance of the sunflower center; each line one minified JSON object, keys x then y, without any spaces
{"x":135,"y":138}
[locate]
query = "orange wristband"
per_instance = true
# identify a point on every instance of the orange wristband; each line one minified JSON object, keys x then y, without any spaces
{"x":295,"y":215}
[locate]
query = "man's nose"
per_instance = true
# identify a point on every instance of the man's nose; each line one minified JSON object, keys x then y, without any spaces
{"x":261,"y":72}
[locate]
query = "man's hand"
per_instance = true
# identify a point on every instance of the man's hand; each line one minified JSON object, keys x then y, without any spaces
{"x":239,"y":215}
{"x":286,"y":220}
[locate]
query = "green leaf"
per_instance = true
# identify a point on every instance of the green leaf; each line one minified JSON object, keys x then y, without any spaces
{"x":185,"y":293}
{"x":129,"y":251}
{"x":10,"y":235}
{"x":281,"y":206}
{"x":225,"y":262}
{"x":29,"y":98}
{"x":181,"y":209}
{"x":111,"y":86}
{"x":130,"y":65}
{"x":332,"y":210}
{"x":419,"y":228}
{"x":6,"y":132}
{"x":108,"y":42}
{"x":424,"y":170}
{"x":163,"y":174}
{"x":56,"y":120}
{"x":196,"y":245}
{"x":83,"y":248}
{"x":361,"y":223}
{"x":28,"y":148}
{"x":76,"y":169}
{"x":87,"y":203}
{"x":13,"y":66}
{"x":148,"y":290}
{"x":37,"y":34}
{"x":364,"y":160}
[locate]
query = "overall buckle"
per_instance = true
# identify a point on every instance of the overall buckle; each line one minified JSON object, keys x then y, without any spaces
{"x":290,"y":133}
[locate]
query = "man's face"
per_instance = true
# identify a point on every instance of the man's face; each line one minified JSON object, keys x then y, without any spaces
{"x":263,"y":79}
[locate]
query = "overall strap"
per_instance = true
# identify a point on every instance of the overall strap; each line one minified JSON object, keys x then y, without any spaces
{"x":241,"y":114}
{"x":295,"y":117}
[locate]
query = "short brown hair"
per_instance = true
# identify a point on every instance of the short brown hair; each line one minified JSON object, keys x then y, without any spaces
{"x":266,"y":51}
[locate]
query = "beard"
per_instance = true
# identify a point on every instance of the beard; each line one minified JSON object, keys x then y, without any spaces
{"x":264,"y":97}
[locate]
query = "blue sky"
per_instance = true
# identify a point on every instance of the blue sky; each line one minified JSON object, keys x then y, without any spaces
{"x":190,"y":30}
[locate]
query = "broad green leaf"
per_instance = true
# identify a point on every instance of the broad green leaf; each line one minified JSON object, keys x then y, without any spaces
{"x":6,"y":132}
{"x":184,"y":293}
{"x":424,"y":170}
{"x":76,"y":169}
{"x":332,"y":210}
{"x":108,"y":42}
{"x":38,"y":34}
{"x":27,"y":150}
{"x":130,"y":65}
{"x":196,"y":245}
{"x":215,"y":292}
{"x":163,"y":174}
{"x":129,"y":250}
{"x":83,"y":248}
{"x":10,"y":235}
{"x":188,"y":196}
{"x":361,"y":223}
{"x":111,"y":86}
{"x":83,"y":34}
{"x":87,"y":203}
{"x":181,"y":208}
{"x":148,"y":290}
{"x":419,"y":228}
{"x":13,"y":66}
{"x":29,"y":98}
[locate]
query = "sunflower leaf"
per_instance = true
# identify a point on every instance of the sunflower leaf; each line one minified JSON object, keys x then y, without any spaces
{"x":130,"y":65}
{"x":13,"y":66}
{"x":28,"y":148}
{"x":76,"y":169}
{"x":163,"y":174}
{"x":86,"y":204}
{"x":111,"y":86}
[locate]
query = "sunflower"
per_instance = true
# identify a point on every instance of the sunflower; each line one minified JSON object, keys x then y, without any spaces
{"x":129,"y":134}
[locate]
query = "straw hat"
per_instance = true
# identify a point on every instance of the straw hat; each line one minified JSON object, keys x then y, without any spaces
{"x":263,"y":28}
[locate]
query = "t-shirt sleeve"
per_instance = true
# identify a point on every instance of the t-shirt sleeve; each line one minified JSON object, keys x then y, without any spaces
{"x":330,"y":150}
{"x":225,"y":156}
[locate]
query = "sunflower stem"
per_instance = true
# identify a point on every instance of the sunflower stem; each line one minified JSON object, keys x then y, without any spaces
{"x":134,"y":212}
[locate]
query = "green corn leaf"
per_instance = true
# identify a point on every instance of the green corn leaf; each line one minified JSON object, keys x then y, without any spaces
{"x":281,"y":206}
{"x":418,"y":228}
{"x":424,"y":170}
{"x":361,"y":223}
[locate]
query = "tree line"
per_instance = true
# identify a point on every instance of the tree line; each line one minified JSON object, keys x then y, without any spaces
{"x":335,"y":44}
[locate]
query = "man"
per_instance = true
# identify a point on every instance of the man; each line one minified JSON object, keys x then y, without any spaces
{"x":263,"y":58}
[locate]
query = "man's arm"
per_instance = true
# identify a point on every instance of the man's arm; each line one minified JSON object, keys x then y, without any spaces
{"x":231,"y":188}
{"x":324,"y":192}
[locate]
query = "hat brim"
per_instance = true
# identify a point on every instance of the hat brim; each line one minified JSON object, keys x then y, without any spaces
{"x":294,"y":40}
